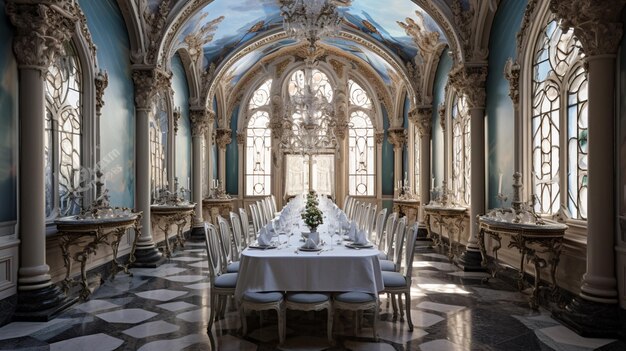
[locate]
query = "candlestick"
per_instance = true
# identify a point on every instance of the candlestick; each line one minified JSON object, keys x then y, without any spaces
{"x":432,"y":183}
{"x":188,"y":183}
{"x":500,"y":184}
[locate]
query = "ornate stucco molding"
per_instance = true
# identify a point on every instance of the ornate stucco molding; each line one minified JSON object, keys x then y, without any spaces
{"x":397,"y":137}
{"x":241,"y":137}
{"x":199,"y":122}
{"x":512,"y":73}
{"x":148,"y":83}
{"x":470,"y":81}
{"x":223,"y":137}
{"x":442,"y":118}
{"x":41,"y":32}
{"x":422,"y":117}
{"x":523,"y":34}
{"x":176,"y":118}
{"x":597,"y":24}
{"x":379,"y":137}
{"x":101,"y":82}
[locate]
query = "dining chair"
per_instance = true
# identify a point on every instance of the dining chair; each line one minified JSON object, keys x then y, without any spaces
{"x":238,"y":238}
{"x":345,"y":203}
{"x":357,"y":301}
{"x":222,"y":284}
{"x":392,"y":264}
{"x":255,"y":218}
{"x":379,"y":227}
{"x":263,"y":301}
{"x":365,"y":215}
{"x":387,"y":240}
{"x":399,"y":283}
{"x":228,"y":262}
{"x":248,"y":235}
{"x":302,"y":301}
{"x":371,"y":220}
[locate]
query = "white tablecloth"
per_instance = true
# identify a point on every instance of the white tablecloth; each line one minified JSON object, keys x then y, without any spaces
{"x":337,"y":268}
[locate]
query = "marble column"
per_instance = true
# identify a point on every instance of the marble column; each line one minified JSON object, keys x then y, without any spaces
{"x":147,"y":82}
{"x":397,"y":138}
{"x":469,"y":80}
{"x":41,"y":32}
{"x":199,"y":125}
{"x":223,"y":137}
{"x":598,"y":26}
{"x":422,"y":117}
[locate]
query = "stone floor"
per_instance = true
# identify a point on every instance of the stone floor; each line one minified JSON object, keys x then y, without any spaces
{"x":167,"y":309}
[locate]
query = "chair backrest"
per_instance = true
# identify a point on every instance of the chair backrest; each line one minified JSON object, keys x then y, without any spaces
{"x":245,"y":226}
{"x":345,"y":203}
{"x":409,"y":251}
{"x":274,"y":206}
{"x":351,"y":206}
{"x":255,"y":218}
{"x":399,"y":236}
{"x":225,"y":241}
{"x":260,"y":204}
{"x":371,"y":220}
{"x":214,"y":256}
{"x":237,"y":235}
{"x":392,"y":221}
{"x":380,"y":225}
{"x":365,"y":217}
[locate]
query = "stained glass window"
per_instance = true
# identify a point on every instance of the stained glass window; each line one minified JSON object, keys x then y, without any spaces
{"x":65,"y":182}
{"x":361,"y":175}
{"x":461,"y":148}
{"x":259,"y":143}
{"x":559,"y":102}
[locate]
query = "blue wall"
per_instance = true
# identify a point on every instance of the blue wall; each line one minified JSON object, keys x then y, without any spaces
{"x":439,"y":86}
{"x":387,"y":151}
{"x":183,"y":137}
{"x":117,"y":125}
{"x":499,"y":109}
{"x":8,"y":121}
{"x":232,"y":157}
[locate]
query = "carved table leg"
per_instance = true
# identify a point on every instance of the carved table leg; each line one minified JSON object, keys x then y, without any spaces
{"x":137,"y":227}
{"x":66,"y":240}
{"x":115,"y":245}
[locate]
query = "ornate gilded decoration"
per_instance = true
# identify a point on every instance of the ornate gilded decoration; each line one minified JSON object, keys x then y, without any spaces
{"x":41,"y":33}
{"x":597,"y":25}
{"x":470,"y":81}
{"x":223,"y":137}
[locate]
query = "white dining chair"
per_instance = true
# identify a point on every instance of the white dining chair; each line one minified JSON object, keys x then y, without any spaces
{"x":371,"y":220}
{"x":228,"y":263}
{"x":238,"y":238}
{"x":379,"y":227}
{"x":248,"y":234}
{"x":255,"y":219}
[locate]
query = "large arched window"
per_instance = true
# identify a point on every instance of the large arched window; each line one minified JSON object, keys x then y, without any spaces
{"x":361,"y":165}
{"x":64,"y":179}
{"x":461,"y":148}
{"x":559,"y":123}
{"x":259,"y":143}
{"x":159,"y":135}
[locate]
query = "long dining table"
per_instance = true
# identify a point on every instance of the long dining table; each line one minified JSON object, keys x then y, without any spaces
{"x":287,"y":266}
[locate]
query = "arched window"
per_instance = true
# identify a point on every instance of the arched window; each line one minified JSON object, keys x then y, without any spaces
{"x":461,"y":148}
{"x":259,"y":143}
{"x":159,"y":134}
{"x":361,"y":174}
{"x":559,"y":123}
{"x":416,"y":160}
{"x":64,"y":179}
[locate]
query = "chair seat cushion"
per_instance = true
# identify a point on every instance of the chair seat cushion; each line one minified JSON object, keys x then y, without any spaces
{"x":262,"y":297}
{"x":393,"y":280}
{"x":228,"y":280}
{"x":355,"y":297}
{"x":382,"y":256}
{"x":386,"y":265}
{"x":233,"y":267}
{"x":307,"y":297}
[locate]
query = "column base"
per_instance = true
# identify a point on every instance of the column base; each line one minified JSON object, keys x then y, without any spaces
{"x":590,"y":319}
{"x":471,"y":261}
{"x":197,"y":234}
{"x":148,"y":257}
{"x":41,"y":305}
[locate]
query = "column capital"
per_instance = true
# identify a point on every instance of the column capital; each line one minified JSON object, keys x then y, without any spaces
{"x":223,"y":137}
{"x":597,"y":24}
{"x":101,"y":81}
{"x":397,"y":137}
{"x":41,"y":32}
{"x":511,"y":73}
{"x":422,"y":117}
{"x":379,"y":137}
{"x":241,"y":138}
{"x":470,"y":80}
{"x":199,"y":122}
{"x":148,"y":82}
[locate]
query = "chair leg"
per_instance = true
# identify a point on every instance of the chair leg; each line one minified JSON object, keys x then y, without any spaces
{"x":375,"y":322}
{"x":244,"y":321}
{"x":281,"y":323}
{"x":400,"y":308}
{"x":329,"y":326}
{"x":408,"y":310}
{"x":356,"y":323}
{"x":395,"y":307}
{"x":210,"y":326}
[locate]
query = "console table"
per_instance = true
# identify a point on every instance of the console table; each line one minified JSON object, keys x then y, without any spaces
{"x":164,"y":216}
{"x":407,"y":207}
{"x":449,"y":217}
{"x":532,"y":240}
{"x":89,"y":233}
{"x":211,"y":208}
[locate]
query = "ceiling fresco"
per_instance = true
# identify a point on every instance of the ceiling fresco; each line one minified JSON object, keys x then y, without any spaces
{"x":233,"y":24}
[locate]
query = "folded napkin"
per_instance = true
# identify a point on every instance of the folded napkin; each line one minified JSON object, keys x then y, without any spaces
{"x":310,"y":244}
{"x":269,"y":227}
{"x":361,"y":238}
{"x":264,"y":238}
{"x":352,"y":231}
{"x":343,"y":220}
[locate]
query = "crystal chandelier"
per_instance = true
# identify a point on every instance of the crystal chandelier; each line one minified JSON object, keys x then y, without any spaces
{"x":310,"y":19}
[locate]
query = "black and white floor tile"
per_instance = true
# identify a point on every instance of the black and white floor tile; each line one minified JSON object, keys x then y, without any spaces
{"x":167,"y":308}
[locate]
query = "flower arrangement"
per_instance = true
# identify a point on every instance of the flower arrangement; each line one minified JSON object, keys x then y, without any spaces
{"x":312,"y":215}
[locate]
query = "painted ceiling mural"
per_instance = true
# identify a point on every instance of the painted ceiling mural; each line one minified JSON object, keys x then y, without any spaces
{"x":227,"y":25}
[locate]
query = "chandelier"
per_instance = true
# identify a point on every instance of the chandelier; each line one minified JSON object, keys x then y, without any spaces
{"x":309,"y":126}
{"x":310,"y":19}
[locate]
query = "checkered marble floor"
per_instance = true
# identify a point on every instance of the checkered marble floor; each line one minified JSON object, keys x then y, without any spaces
{"x":167,"y":308}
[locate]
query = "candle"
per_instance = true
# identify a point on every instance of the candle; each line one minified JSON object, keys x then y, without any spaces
{"x":432,"y":183}
{"x":188,"y":183}
{"x":500,"y":184}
